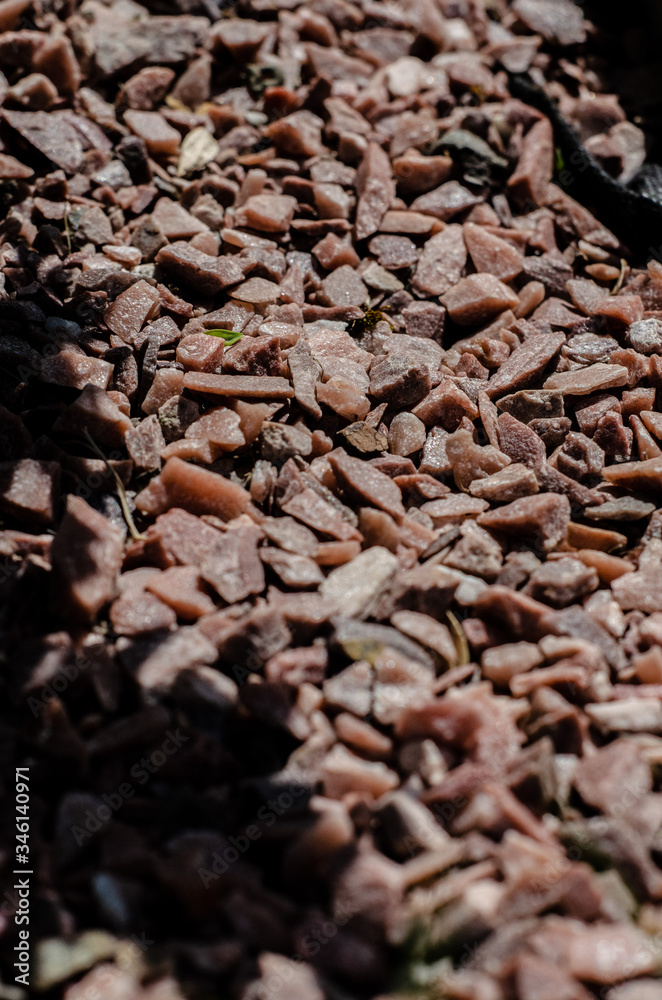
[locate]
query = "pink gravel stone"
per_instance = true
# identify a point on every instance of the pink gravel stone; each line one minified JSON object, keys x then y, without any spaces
{"x":491,"y":254}
{"x":416,"y":174}
{"x":445,"y":201}
{"x":315,"y":512}
{"x":136,"y":612}
{"x":234,"y":568}
{"x":478,"y":299}
{"x":205,"y":273}
{"x":591,"y":378}
{"x":446,"y":405}
{"x":53,"y":136}
{"x":525,"y":363}
{"x":268,"y":213}
{"x":197,"y":490}
{"x":29,"y":490}
{"x":75,"y":370}
{"x":167,"y":383}
{"x":298,"y":134}
{"x":240,"y":37}
{"x":367,"y":484}
{"x":174,"y":221}
{"x":130,"y":310}
{"x":86,"y":554}
{"x":333,"y":251}
{"x":535,"y":168}
{"x":220,"y":427}
{"x":376,"y":190}
{"x":294,"y":570}
{"x":404,"y":221}
{"x":544,"y":518}
{"x":159,"y":137}
{"x":144,"y":444}
{"x":180,"y":587}
{"x":94,"y":411}
{"x":244,"y":386}
{"x":344,"y":397}
{"x":441,"y":262}
{"x":344,"y":287}
{"x":12,"y":169}
{"x":406,"y":435}
{"x":200,"y":352}
{"x":511,"y":483}
{"x":257,"y":291}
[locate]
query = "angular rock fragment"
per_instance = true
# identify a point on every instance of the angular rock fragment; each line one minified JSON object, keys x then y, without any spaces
{"x":376,"y":190}
{"x":268,"y":213}
{"x":29,"y":490}
{"x":524,"y":364}
{"x":471,"y":461}
{"x":243,"y":386}
{"x":399,"y":380}
{"x":355,"y":587}
{"x":490,"y":254}
{"x":447,"y":404}
{"x":304,"y":373}
{"x":536,"y":164}
{"x":144,"y":443}
{"x":441,"y":262}
{"x":478,"y":299}
{"x":315,"y":512}
{"x":200,"y":491}
{"x":642,"y":477}
{"x":86,"y":555}
{"x":53,"y":136}
{"x":583,"y":381}
{"x":367,"y":484}
{"x":234,"y":568}
{"x":446,"y":201}
{"x":542,"y":518}
{"x":343,"y":287}
{"x":510,"y":483}
{"x":562,"y":582}
{"x":207,"y":274}
{"x":180,"y":587}
{"x":406,"y":434}
{"x":153,"y":129}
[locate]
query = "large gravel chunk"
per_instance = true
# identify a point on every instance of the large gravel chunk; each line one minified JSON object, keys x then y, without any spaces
{"x":366,"y":483}
{"x":592,"y":378}
{"x":559,"y":21}
{"x":477,"y":299}
{"x":207,"y":274}
{"x":53,"y":136}
{"x":376,"y":190}
{"x":441,"y":262}
{"x":29,"y":490}
{"x":87,"y":555}
{"x":543,"y":518}
{"x":344,"y":287}
{"x":355,"y":587}
{"x":525,"y":363}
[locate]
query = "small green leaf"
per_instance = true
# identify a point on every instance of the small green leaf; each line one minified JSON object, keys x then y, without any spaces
{"x":229,"y":336}
{"x":559,"y":162}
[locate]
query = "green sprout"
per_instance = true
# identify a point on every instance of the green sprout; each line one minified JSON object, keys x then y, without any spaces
{"x":229,"y":336}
